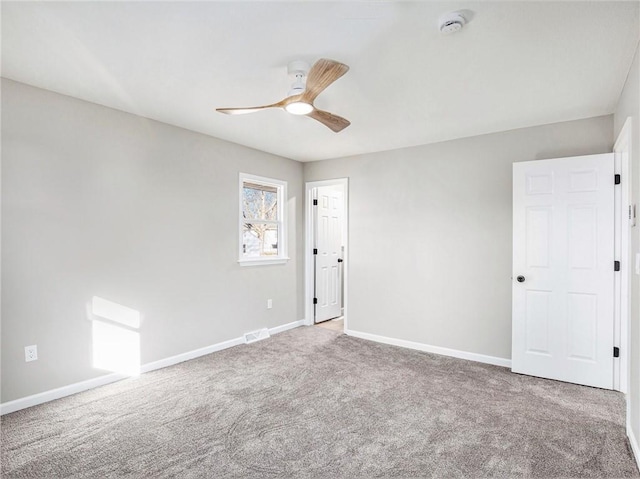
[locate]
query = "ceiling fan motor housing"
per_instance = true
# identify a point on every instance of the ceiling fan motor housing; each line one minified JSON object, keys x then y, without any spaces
{"x":298,"y":86}
{"x":300,"y":69}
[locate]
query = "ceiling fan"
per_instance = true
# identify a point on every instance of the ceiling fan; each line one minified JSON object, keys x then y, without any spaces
{"x":300,"y":100}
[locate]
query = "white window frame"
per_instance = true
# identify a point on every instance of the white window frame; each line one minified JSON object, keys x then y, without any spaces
{"x":281,"y":187}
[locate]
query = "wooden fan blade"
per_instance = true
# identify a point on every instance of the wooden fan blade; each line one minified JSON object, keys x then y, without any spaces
{"x":335,"y":122}
{"x":322,"y":74}
{"x":251,"y":109}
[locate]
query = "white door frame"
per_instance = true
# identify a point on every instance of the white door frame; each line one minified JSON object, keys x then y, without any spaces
{"x":623,"y":216}
{"x":308,"y":248}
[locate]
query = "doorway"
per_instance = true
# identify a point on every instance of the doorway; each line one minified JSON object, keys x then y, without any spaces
{"x":326,"y":253}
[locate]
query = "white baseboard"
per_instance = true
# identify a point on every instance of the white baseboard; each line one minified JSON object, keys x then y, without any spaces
{"x":35,"y":399}
{"x":633,"y":441}
{"x":196,"y":353}
{"x":75,"y":388}
{"x":286,"y":327}
{"x":480,"y":358}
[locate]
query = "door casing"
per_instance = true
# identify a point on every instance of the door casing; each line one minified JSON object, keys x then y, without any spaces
{"x":624,"y":215}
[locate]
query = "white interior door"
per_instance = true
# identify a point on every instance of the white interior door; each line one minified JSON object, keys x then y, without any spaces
{"x":563,"y":269}
{"x":329,"y":217}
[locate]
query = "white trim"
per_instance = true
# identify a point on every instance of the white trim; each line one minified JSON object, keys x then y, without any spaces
{"x":454,"y":353}
{"x":633,"y":441}
{"x":262,"y":262}
{"x":286,"y":327}
{"x":308,"y":252}
{"x":75,"y":388}
{"x":35,"y":399}
{"x":283,"y":228}
{"x":622,"y":155}
{"x":196,"y":353}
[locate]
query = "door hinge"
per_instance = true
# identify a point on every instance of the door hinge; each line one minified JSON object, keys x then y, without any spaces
{"x":315,"y":202}
{"x":616,"y":265}
{"x":616,"y":352}
{"x":315,"y":300}
{"x":315,"y":250}
{"x":616,"y":179}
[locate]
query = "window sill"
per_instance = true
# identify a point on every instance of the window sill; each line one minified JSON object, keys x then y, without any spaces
{"x":262,"y":262}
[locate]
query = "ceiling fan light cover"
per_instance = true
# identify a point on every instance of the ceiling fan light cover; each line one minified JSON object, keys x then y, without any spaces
{"x":299,"y":108}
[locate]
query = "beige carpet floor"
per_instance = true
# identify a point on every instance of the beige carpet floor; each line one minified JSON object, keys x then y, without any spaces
{"x":311,"y":402}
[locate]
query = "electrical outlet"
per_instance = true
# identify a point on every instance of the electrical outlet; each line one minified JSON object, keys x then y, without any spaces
{"x":30,"y":353}
{"x":269,"y":304}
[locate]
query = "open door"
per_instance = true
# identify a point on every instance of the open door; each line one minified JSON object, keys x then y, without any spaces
{"x":563,"y":269}
{"x":328,"y":251}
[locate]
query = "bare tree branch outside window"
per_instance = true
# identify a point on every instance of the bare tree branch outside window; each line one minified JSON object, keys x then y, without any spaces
{"x":260,"y":205}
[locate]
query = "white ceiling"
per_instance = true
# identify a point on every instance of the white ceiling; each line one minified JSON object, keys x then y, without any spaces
{"x":516,"y":64}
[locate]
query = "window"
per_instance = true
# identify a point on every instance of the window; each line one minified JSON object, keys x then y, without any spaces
{"x":262,"y":220}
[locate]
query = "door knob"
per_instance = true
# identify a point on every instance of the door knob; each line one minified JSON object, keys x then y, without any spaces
{"x":520,"y":279}
{"x":340,"y":260}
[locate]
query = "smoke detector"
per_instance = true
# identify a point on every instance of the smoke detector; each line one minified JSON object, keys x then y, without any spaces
{"x":451,"y":22}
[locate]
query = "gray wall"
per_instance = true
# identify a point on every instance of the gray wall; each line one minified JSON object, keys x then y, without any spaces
{"x":430,"y":233}
{"x":629,"y":106}
{"x":100,"y":202}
